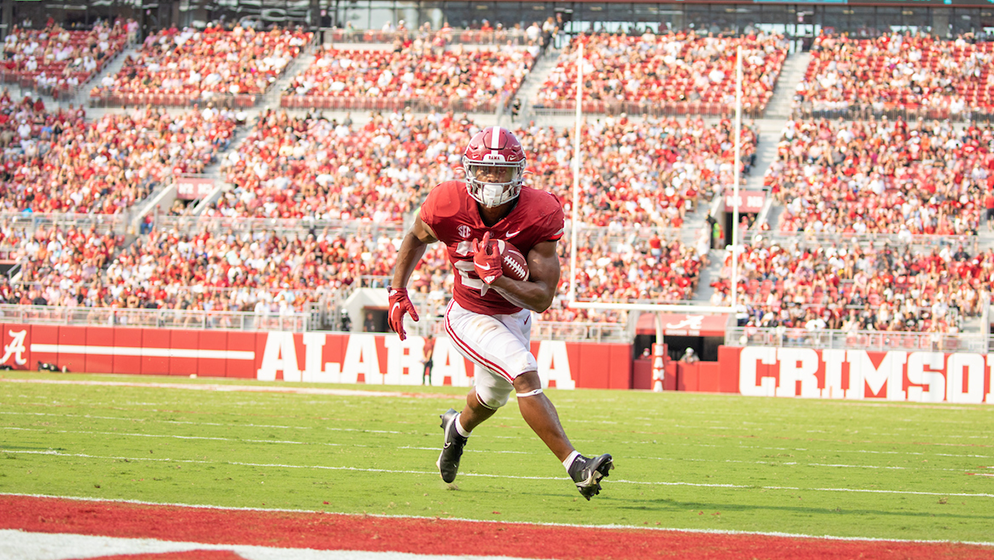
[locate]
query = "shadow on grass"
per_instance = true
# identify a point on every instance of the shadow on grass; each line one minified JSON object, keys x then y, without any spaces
{"x":664,"y":505}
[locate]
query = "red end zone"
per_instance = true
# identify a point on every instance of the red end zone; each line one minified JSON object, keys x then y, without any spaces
{"x":321,"y":531}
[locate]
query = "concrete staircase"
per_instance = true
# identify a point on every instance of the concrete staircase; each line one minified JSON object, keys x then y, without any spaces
{"x":791,"y":75}
{"x":82,"y":97}
{"x":533,"y":83}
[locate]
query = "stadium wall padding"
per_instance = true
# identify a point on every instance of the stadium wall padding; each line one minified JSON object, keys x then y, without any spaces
{"x":312,"y":357}
{"x":852,"y":374}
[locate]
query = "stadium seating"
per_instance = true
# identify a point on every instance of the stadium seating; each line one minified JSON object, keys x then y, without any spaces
{"x":458,"y":78}
{"x":675,"y":72}
{"x":917,"y":73}
{"x":887,"y":176}
{"x":58,"y":162}
{"x":857,"y":287}
{"x":178,"y":67}
{"x":56,"y":61}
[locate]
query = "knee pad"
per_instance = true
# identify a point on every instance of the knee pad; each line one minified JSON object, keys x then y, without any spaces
{"x":492,"y":390}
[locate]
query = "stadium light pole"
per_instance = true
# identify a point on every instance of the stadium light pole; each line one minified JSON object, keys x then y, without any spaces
{"x":575,"y":208}
{"x":735,"y":175}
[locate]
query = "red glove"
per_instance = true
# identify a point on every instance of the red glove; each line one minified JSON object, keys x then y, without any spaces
{"x":399,"y":305}
{"x":486,"y":260}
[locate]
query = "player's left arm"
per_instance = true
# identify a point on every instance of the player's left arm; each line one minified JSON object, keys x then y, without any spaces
{"x":539,"y":290}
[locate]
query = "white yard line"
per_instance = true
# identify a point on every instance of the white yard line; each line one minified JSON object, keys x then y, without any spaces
{"x":239,"y":388}
{"x":484,"y":475}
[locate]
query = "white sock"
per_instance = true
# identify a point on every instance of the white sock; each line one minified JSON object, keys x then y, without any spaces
{"x":462,"y":431}
{"x":569,"y":460}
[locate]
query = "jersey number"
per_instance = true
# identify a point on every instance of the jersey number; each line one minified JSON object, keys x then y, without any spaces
{"x":465,"y":268}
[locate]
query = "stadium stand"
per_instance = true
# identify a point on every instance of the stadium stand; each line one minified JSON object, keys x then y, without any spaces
{"x":315,"y":203}
{"x":56,"y":61}
{"x":916,"y":74}
{"x":295,"y":167}
{"x":674,"y":73}
{"x":412,"y":74}
{"x":58,"y":162}
{"x":647,"y":173}
{"x":180,"y":67}
{"x":887,"y":176}
{"x":854,"y":287}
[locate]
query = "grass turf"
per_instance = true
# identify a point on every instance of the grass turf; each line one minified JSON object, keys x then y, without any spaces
{"x":692,"y":461}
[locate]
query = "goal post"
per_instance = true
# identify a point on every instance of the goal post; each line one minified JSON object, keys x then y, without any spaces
{"x":576,"y":223}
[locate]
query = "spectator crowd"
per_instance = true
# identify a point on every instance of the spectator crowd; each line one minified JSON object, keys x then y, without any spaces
{"x":204,"y":65}
{"x":860,"y":287}
{"x":673,"y":68}
{"x":464,"y":78}
{"x":59,"y":162}
{"x":899,"y":71}
{"x":56,"y":60}
{"x":882,"y":176}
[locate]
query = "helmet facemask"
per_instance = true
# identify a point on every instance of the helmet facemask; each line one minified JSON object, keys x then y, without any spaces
{"x":493,"y":182}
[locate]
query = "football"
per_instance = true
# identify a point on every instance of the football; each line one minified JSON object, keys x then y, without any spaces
{"x":513,"y":263}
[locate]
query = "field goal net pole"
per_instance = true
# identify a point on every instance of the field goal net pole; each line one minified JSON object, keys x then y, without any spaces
{"x":735,"y":176}
{"x":658,"y":359}
{"x":575,"y":214}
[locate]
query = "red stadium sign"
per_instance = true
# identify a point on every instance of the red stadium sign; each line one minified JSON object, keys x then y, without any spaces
{"x":188,"y":188}
{"x":678,"y":324}
{"x":749,"y":201}
{"x":897,"y":375}
{"x":310,"y":357}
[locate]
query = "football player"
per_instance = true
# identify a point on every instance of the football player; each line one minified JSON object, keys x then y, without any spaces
{"x":490,"y":322}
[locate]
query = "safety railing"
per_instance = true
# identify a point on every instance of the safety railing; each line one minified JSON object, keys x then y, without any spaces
{"x":453,"y":36}
{"x":969,"y":242}
{"x":420,"y":105}
{"x":103,"y":223}
{"x":881,"y":341}
{"x":863,"y":111}
{"x":567,"y":107}
{"x":278,"y":225}
{"x":568,"y":331}
{"x":153,"y":318}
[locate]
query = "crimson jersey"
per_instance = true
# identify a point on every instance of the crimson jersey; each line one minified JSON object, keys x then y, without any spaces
{"x":454,"y":217}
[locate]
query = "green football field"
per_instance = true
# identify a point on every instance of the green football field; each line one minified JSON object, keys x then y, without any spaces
{"x":683,"y":460}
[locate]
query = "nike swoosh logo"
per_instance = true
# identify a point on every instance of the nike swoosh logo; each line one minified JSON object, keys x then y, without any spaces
{"x":395,"y":306}
{"x":484,"y":266}
{"x":511,"y":234}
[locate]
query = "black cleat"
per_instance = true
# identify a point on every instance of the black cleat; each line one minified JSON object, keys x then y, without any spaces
{"x":587,"y":473}
{"x":448,"y":459}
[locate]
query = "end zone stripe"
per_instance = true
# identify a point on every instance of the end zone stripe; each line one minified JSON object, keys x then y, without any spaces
{"x":328,"y":531}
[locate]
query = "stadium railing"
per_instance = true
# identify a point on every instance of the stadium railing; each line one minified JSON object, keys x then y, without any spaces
{"x":861,"y":111}
{"x":881,"y":341}
{"x":102,"y":223}
{"x":645,"y":108}
{"x":104,"y":99}
{"x":153,"y":318}
{"x":878,"y":239}
{"x":278,"y":225}
{"x":422,"y":105}
{"x":454,"y":36}
{"x":567,"y":331}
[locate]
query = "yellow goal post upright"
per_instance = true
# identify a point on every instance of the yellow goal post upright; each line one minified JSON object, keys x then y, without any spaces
{"x":576,"y":223}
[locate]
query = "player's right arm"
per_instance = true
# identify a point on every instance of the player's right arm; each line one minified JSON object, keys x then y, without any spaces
{"x":412,"y":248}
{"x":411,"y":251}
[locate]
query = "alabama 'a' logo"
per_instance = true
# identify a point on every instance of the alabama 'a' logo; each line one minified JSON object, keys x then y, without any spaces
{"x":464,"y":231}
{"x":15,"y":348}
